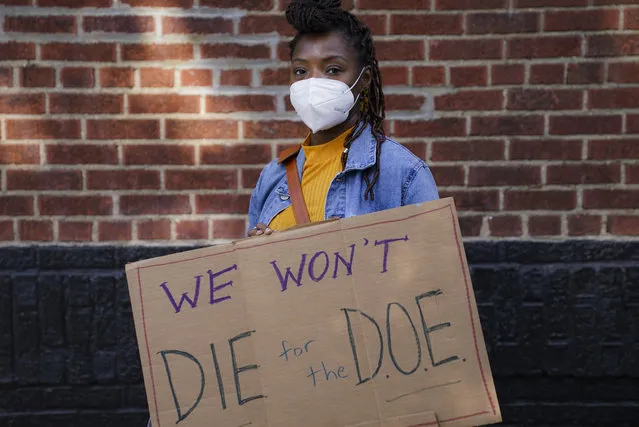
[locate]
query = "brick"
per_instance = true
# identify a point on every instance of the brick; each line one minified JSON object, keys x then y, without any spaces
{"x":584,"y":225}
{"x":265,"y":24}
{"x":427,"y":76}
{"x":284,"y":52}
{"x":502,"y":23}
{"x":229,"y":228}
{"x":75,"y":231}
{"x":123,"y":129}
{"x":549,"y":3}
{"x":76,"y":4}
{"x":86,"y":104}
{"x":469,"y":4}
{"x":376,"y":23}
{"x":40,"y":24}
{"x":470,"y":226}
{"x":609,"y":149}
{"x":575,"y":125}
{"x":250,"y":177}
{"x":613,"y":45}
{"x":532,"y":99}
{"x":35,"y":231}
{"x":427,"y":24}
{"x":159,"y":155}
{"x":464,"y":150}
{"x":16,"y":205}
{"x":117,"y":179}
{"x":43,"y":129}
{"x":508,"y":74}
{"x":446,"y":50}
{"x":539,"y":200}
{"x":6,"y":77}
{"x":484,"y":200}
{"x":196,"y":77}
{"x":275,"y":76}
{"x":189,"y":25}
{"x":244,"y":154}
{"x":624,"y":225}
{"x":583,"y":174}
{"x":274,"y":129}
{"x":448,"y":175}
{"x":400,"y":50}
{"x":442,"y":127}
{"x":76,"y":77}
{"x":631,"y":19}
{"x":547,"y":74}
{"x":545,"y":149}
{"x":632,"y":174}
{"x":614,"y":98}
{"x":200,"y":179}
{"x":34,"y":76}
{"x":116,"y":77}
{"x":236,"y":103}
{"x":184,"y":4}
{"x":112,"y":231}
{"x":418,"y":148}
{"x":404,"y":102}
{"x":22,"y":104}
{"x":632,"y":123}
{"x":396,"y":5}
{"x":75,"y":205}
{"x":246,"y":4}
{"x":15,"y":51}
{"x":504,"y":175}
{"x":623,"y":72}
{"x":19,"y":154}
{"x":236,"y":78}
{"x":507,"y":125}
{"x":611,"y":199}
{"x":222,"y":204}
{"x":157,"y":229}
{"x":582,"y":20}
{"x":119,"y":24}
{"x":163,"y":104}
{"x":470,"y":100}
{"x":157,"y":77}
{"x":585,"y":73}
{"x":91,"y":52}
{"x":157,"y":52}
{"x":544,"y":225}
{"x":505,"y":225}
{"x":544,"y":47}
{"x":192,"y":230}
{"x":6,"y":231}
{"x":154,"y":204}
{"x":44,"y":180}
{"x":469,"y":76}
{"x":201,"y":129}
{"x":235,"y":50}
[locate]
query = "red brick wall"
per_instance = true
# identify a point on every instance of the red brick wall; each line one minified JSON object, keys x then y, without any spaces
{"x":142,"y":120}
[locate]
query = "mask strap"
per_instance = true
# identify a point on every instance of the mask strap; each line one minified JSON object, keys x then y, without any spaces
{"x":358,"y":77}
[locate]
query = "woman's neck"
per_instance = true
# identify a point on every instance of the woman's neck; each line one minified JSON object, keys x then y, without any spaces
{"x":324,"y":136}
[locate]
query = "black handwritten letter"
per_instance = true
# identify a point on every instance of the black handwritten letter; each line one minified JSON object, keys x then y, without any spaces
{"x":288,"y":274}
{"x":428,"y":331}
{"x":185,"y":297}
{"x":348,"y":265}
{"x":386,"y":243}
{"x":238,"y":370}
{"x":351,"y":336}
{"x":390,"y":345}
{"x":218,"y":374}
{"x":214,"y":288}
{"x":178,"y":408}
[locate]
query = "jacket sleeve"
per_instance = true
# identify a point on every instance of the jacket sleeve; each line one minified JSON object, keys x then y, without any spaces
{"x":421,"y":187}
{"x":257,"y":202}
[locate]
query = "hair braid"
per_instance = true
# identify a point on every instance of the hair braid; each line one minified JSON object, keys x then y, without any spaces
{"x":324,"y":16}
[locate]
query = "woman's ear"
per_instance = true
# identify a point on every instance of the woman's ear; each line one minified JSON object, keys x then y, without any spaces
{"x":367,"y":78}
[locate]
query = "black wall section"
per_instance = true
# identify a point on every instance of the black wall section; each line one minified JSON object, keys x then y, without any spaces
{"x":561,"y":322}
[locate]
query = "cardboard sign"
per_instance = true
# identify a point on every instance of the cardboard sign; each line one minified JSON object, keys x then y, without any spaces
{"x":368,"y":321}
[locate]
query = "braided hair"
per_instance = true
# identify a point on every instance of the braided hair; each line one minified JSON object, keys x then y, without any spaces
{"x":325,"y":16}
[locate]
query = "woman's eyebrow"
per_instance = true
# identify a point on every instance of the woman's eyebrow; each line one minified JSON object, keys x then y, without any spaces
{"x":325,"y":59}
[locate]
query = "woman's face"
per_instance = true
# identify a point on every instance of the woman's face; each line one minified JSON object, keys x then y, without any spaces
{"x":327,"y":56}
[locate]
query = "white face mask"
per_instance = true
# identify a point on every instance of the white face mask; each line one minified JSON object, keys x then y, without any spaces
{"x":323,"y":103}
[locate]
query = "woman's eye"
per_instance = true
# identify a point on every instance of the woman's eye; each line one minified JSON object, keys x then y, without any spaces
{"x":299,"y":71}
{"x":333,"y":70}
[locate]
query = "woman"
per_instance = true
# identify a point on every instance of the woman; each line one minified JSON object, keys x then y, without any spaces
{"x":347,"y":164}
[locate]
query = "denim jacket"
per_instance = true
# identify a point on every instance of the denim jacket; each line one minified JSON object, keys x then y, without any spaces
{"x":404,"y":179}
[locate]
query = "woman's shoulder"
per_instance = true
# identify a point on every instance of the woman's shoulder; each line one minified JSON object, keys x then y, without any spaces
{"x":394,"y":153}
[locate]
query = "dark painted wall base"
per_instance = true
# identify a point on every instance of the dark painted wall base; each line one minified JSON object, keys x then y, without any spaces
{"x":561,"y":322}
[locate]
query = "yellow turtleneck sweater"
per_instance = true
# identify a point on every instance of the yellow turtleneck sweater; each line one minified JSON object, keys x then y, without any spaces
{"x":323,"y":163}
